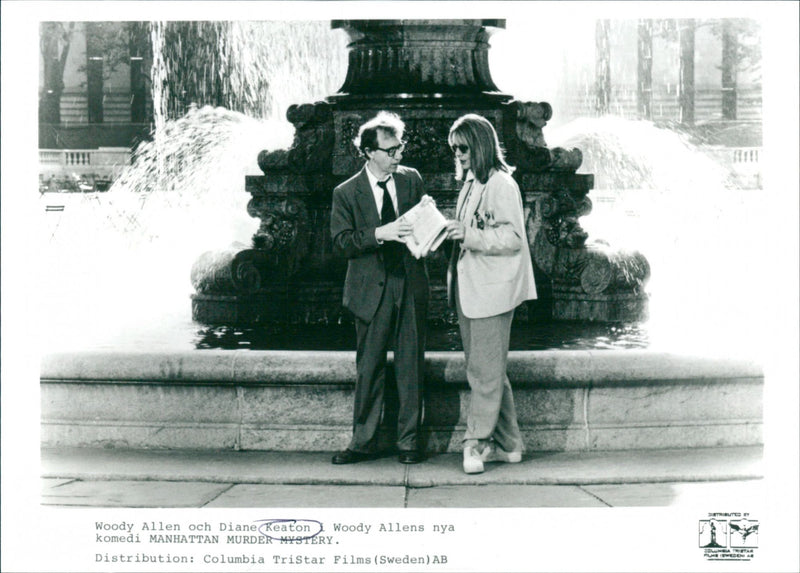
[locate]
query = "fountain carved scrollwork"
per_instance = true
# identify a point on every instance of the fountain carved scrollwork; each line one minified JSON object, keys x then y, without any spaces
{"x":283,"y":233}
{"x":279,"y":246}
{"x":525,"y":141}
{"x":590,"y":280}
{"x":530,"y":118}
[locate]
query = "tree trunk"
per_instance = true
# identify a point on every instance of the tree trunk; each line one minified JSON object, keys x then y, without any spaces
{"x":686,"y":98}
{"x":644,"y":74}
{"x":729,"y":49}
{"x":54,"y":46}
{"x":94,"y":73}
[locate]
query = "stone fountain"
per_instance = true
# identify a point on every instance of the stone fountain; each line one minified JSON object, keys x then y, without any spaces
{"x":430,"y":72}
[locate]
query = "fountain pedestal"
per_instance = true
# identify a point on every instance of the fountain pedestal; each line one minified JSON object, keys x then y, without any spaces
{"x":430,"y":73}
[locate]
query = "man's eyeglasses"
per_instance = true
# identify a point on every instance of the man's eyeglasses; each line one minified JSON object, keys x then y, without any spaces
{"x":393,"y":151}
{"x":460,"y":147}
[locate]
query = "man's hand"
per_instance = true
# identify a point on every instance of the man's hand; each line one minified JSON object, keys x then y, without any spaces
{"x":394,"y":231}
{"x":456,"y":230}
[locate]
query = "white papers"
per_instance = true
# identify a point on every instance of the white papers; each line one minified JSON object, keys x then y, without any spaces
{"x":429,"y":227}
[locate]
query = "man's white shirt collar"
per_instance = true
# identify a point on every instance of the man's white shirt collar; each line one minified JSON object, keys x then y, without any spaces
{"x":377,"y":191}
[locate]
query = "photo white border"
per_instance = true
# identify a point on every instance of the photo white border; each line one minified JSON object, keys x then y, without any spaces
{"x":36,"y":538}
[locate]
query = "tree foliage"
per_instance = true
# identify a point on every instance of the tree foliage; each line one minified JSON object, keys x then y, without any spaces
{"x":746,"y":31}
{"x":116,"y":42}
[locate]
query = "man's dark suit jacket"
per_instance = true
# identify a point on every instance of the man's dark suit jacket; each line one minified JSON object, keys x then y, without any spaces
{"x":354,"y":217}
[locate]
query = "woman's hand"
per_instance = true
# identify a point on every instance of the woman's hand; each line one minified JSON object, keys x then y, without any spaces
{"x":456,"y":230}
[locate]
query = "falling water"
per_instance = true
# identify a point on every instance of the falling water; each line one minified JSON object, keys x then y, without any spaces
{"x":123,"y":258}
{"x":673,"y":201}
{"x":118,"y":263}
{"x":258,"y":68}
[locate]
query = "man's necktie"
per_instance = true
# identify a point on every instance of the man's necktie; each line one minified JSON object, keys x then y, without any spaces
{"x":387,"y":211}
{"x":392,"y":250}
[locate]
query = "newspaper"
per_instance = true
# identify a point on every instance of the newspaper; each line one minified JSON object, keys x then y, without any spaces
{"x":429,"y":227}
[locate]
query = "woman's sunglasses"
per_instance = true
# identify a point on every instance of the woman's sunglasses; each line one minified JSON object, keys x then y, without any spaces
{"x":460,"y":147}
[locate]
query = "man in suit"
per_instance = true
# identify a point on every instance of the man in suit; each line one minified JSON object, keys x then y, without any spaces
{"x":386,"y":288}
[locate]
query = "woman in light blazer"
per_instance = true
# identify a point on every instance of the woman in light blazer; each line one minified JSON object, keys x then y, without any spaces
{"x":489,"y":275}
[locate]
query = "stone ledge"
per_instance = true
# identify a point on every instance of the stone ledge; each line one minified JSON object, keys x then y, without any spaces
{"x":308,"y":438}
{"x":560,"y":368}
{"x":302,"y":401}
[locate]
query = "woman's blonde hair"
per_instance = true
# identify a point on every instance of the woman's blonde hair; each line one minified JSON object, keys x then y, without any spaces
{"x":485,"y":152}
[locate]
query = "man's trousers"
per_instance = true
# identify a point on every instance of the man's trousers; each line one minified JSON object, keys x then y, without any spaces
{"x":395,"y":321}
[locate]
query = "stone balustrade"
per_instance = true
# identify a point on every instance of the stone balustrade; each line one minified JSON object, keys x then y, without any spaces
{"x":104,"y":159}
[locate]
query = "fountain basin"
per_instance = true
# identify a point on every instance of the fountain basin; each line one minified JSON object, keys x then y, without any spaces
{"x":567,"y":400}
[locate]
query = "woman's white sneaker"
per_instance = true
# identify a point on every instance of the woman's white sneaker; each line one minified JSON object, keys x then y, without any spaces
{"x":495,"y":453}
{"x":473,"y":464}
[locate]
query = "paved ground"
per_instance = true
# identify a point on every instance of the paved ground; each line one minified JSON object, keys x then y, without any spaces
{"x":159,"y":478}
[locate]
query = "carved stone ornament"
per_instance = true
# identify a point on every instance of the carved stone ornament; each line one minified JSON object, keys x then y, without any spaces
{"x":283,"y":233}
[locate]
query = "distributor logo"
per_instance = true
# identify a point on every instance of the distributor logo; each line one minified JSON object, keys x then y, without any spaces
{"x":712,"y":532}
{"x":728,"y":536}
{"x":744,"y":533}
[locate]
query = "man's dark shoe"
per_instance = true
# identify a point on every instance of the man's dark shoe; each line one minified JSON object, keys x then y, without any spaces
{"x":409,"y":457}
{"x":350,"y":457}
